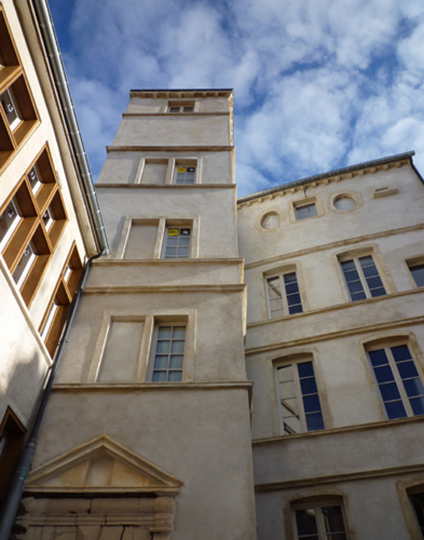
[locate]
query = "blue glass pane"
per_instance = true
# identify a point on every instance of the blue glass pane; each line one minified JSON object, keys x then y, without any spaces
{"x":418,"y":274}
{"x":159,"y":376}
{"x":374,"y":283}
{"x":366,"y":261}
{"x":401,"y":353}
{"x":355,"y":286}
{"x":161,"y":362}
{"x":370,"y":272}
{"x":177,"y":347}
{"x":176,"y":361}
{"x":179,"y":332}
{"x":358,"y":296}
{"x":378,"y":292}
{"x":407,"y":369}
{"x":290,"y":278}
{"x":184,"y":241}
{"x":378,"y":357}
{"x":348,"y":265}
{"x":292,"y":288}
{"x":414,"y":387}
{"x":162,"y":346}
{"x":171,"y":252}
{"x":172,"y":241}
{"x":314,"y":421}
{"x":384,"y":374}
{"x":311,"y":403}
{"x":183,"y":252}
{"x":417,"y":405}
{"x":389,"y":392}
{"x":395,"y":410}
{"x":295,"y":309}
{"x":293,"y":299}
{"x":351,"y":275}
{"x":164,"y":332}
{"x":305,"y":369}
{"x":308,"y":386}
{"x":175,"y":376}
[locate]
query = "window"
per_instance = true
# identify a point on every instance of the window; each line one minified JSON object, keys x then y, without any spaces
{"x":181,"y":106}
{"x":12,"y":435}
{"x":177,"y":243}
{"x":398,"y":380}
{"x":30,"y":226}
{"x":417,"y":501}
{"x":57,"y":311}
{"x":10,"y":108}
{"x":300,"y":408}
{"x":320,"y":521}
{"x":184,"y":175}
{"x":417,"y":271}
{"x":343,"y":203}
{"x":304,"y":210}
{"x":283,"y":295}
{"x":168,"y":355}
{"x":362,"y":278}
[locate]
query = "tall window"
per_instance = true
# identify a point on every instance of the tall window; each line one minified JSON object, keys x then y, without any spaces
{"x":417,"y":500}
{"x":283,"y":295}
{"x":177,"y":243}
{"x":362,"y":278}
{"x":417,"y":271}
{"x":320,"y":522}
{"x":168,"y":358}
{"x":300,"y":406}
{"x":12,"y":435}
{"x":398,"y":380}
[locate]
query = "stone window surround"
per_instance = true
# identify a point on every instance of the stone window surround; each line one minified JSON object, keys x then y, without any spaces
{"x":151,"y":321}
{"x":172,"y":163}
{"x":162,"y":223}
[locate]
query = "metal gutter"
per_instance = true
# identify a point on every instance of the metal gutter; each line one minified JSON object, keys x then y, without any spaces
{"x":336,"y":172}
{"x":48,"y":33}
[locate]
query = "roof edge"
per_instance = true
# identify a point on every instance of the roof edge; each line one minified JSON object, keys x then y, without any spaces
{"x":182,"y":92}
{"x":335,"y":172}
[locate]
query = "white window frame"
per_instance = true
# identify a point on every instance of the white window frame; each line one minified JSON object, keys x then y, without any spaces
{"x":166,"y":236}
{"x":362,"y":278}
{"x":29,"y":263}
{"x":297,"y":205}
{"x":12,"y":101}
{"x":151,"y":370}
{"x":395,"y":371}
{"x":38,"y":182}
{"x":185,"y":165}
{"x":318,"y":507}
{"x":293,"y":363}
{"x":13,"y":225}
{"x":181,"y":105}
{"x":285,"y":308}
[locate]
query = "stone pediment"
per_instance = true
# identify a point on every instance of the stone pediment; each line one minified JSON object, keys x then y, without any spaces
{"x":101,"y":466}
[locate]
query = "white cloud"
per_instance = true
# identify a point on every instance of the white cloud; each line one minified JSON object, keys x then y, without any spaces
{"x":318,"y":83}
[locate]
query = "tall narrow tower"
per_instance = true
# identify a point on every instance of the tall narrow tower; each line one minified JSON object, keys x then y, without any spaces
{"x":147,"y":433}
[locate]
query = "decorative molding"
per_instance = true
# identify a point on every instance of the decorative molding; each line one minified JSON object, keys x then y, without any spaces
{"x":152,"y":387}
{"x":192,"y":149}
{"x":166,"y":186}
{"x":131,"y":289}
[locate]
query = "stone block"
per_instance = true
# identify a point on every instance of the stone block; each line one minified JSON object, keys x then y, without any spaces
{"x":88,"y":533}
{"x":111,"y":533}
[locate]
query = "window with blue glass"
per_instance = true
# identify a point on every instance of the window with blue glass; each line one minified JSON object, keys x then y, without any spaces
{"x":398,"y":380}
{"x":300,"y":406}
{"x":362,"y":278}
{"x":168,"y":357}
{"x":283,"y":295}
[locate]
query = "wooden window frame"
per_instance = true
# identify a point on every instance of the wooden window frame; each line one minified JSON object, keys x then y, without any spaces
{"x":31,"y":227}
{"x":285,"y":307}
{"x":52,"y":324}
{"x":366,"y":290}
{"x":317,"y":506}
{"x":13,"y":78}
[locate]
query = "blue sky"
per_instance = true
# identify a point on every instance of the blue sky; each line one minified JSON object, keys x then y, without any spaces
{"x":318,"y":84}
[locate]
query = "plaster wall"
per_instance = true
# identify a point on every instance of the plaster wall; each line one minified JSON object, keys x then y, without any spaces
{"x":212,"y":207}
{"x":213,"y":460}
{"x":124,"y":167}
{"x":371,"y":215}
{"x":174,"y":130}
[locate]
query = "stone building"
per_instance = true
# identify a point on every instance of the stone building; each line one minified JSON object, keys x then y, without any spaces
{"x":235,"y":369}
{"x":49,"y":217}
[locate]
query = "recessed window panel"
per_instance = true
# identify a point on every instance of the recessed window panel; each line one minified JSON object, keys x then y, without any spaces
{"x":344,"y":203}
{"x":305,"y":211}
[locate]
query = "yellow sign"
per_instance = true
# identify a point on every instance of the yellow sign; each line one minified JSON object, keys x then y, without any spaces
{"x":172,"y":232}
{"x":181,"y":169}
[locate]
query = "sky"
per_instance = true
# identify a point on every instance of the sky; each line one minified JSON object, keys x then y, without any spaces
{"x":318,"y":84}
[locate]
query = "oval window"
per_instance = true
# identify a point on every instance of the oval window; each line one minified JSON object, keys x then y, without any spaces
{"x":344,"y":203}
{"x":270,"y":221}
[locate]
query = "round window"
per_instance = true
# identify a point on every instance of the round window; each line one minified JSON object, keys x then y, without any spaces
{"x":270,"y":221}
{"x":344,"y":203}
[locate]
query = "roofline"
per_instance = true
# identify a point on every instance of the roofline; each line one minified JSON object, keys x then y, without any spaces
{"x":55,"y":61}
{"x":170,"y":93}
{"x":182,"y":90}
{"x":335,"y":172}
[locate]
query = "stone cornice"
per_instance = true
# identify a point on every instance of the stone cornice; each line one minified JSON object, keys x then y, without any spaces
{"x":127,"y":148}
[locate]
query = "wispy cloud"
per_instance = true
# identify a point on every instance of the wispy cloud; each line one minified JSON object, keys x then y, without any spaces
{"x":318,"y":84}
